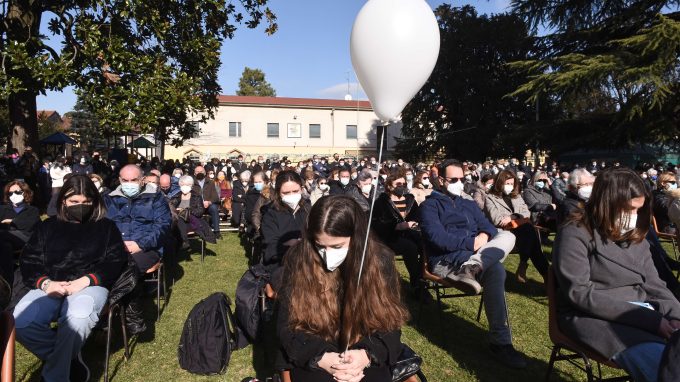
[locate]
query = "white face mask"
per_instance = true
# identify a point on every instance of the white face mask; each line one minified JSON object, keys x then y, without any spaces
{"x":98,"y":185}
{"x":425,"y":182}
{"x":292,"y":200}
{"x":323,"y":187}
{"x":584,"y":192}
{"x":344,"y":181}
{"x":16,"y":199}
{"x":354,"y":176}
{"x":366,"y":189}
{"x":488,"y":186}
{"x":185,"y":189}
{"x":455,"y":188}
{"x":178,"y":176}
{"x":383,"y":176}
{"x":672,"y":186}
{"x":507,"y":189}
{"x":333,"y":257}
{"x":629,"y":222}
{"x":409,"y":177}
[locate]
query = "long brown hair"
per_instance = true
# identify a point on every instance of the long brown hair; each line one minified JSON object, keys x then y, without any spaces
{"x":498,"y":184}
{"x":342,"y":311}
{"x":612,"y":192}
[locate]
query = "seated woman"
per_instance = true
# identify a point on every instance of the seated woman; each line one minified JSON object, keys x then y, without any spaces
{"x":422,"y":187}
{"x":224,"y":187}
{"x":99,"y":183}
{"x":480,"y":192}
{"x":69,"y":262}
{"x":18,"y":218}
{"x":394,"y":220}
{"x":283,"y":221}
{"x":321,"y":272}
{"x":258,"y":180}
{"x":666,"y":183}
{"x":506,"y":209}
{"x":362,"y":190}
{"x":188,"y":204}
{"x":539,"y":200}
{"x":610,"y":295}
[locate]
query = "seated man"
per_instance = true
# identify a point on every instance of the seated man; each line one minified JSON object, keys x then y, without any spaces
{"x":579,"y":187}
{"x":142,"y":216}
{"x":463,"y":246}
{"x":167,"y":187}
{"x":211,"y":198}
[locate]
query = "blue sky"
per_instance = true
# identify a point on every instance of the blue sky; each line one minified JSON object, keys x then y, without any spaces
{"x":307,"y":57}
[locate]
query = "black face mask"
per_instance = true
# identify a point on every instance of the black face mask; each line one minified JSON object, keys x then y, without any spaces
{"x":165,"y":190}
{"x":400,"y":191}
{"x":80,"y":212}
{"x":200,"y":176}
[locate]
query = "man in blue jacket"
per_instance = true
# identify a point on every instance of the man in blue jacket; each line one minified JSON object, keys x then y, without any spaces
{"x":142,"y":216}
{"x":464,"y":247}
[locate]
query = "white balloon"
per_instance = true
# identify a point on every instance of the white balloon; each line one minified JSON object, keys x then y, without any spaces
{"x":394,"y":47}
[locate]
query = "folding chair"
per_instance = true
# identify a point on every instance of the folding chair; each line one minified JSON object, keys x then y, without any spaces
{"x":666,"y":238}
{"x":7,"y":346}
{"x":109,"y":328}
{"x":430,"y":281}
{"x":157,"y":275}
{"x":194,"y":235}
{"x":562,"y":342}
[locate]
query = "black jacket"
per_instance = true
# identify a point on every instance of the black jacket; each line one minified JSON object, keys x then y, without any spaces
{"x":195,"y":203}
{"x":23,"y":222}
{"x":386,"y":216}
{"x":280,"y":225}
{"x":355,"y":193}
{"x":660,"y":207}
{"x":57,"y":250}
{"x":569,"y":205}
{"x":336,"y":188}
{"x":252,"y":196}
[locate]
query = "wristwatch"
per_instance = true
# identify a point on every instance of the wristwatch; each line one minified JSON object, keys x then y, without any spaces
{"x":45,"y":285}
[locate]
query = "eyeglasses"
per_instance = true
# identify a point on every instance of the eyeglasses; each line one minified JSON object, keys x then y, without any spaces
{"x":399,"y":184}
{"x":543,"y":180}
{"x":18,"y":192}
{"x":671,"y":182}
{"x":425,"y":177}
{"x":454,"y":179}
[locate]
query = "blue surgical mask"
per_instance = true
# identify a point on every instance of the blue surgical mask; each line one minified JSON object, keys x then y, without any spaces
{"x":258,"y":186}
{"x":130,"y":189}
{"x":540,"y":184}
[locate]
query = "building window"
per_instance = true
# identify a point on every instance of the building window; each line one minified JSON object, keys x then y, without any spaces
{"x":351,"y":131}
{"x":315,"y":130}
{"x":272,"y":130}
{"x":195,"y":128}
{"x":234,"y":129}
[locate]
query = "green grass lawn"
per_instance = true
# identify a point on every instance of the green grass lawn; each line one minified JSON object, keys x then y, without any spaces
{"x":453,"y":350}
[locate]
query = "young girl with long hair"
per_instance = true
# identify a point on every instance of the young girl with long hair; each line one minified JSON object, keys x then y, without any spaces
{"x":333,"y":327}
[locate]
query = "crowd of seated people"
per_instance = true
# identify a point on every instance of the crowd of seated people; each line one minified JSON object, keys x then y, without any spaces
{"x":463,"y":217}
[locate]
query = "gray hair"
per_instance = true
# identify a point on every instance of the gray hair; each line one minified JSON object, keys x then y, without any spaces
{"x":537,"y":176}
{"x":186,"y":179}
{"x":576,"y":176}
{"x":245,"y":175}
{"x":364,"y":175}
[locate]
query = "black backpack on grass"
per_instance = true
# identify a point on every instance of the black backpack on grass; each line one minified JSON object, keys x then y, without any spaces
{"x":209,"y":336}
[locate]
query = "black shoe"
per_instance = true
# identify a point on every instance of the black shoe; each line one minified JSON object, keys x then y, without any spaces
{"x":508,"y":356}
{"x":186,"y":246}
{"x":218,"y":235}
{"x":465,"y":279}
{"x":79,"y":370}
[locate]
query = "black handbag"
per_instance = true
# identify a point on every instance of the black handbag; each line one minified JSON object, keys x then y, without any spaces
{"x":407,"y":365}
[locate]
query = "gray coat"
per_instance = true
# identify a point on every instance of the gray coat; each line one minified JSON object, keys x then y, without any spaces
{"x":597,"y":281}
{"x":496,"y":209}
{"x":538,"y":201}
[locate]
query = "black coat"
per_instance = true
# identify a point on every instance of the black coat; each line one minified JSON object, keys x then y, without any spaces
{"x":386,"y":216}
{"x":195,"y":203}
{"x":280,"y":224}
{"x":64,"y":251}
{"x":570,"y":204}
{"x":302,"y":350}
{"x":24,"y":221}
{"x":252,"y":196}
{"x":660,"y":208}
{"x":238,"y":198}
{"x":336,"y":188}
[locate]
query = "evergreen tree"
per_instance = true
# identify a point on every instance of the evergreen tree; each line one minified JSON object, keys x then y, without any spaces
{"x":253,"y":83}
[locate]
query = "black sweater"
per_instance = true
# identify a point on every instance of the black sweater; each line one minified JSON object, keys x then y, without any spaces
{"x":24,"y":221}
{"x":386,"y":216}
{"x":64,"y":251}
{"x":278,"y":226}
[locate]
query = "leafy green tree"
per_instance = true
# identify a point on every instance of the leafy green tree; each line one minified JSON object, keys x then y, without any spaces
{"x":611,"y":67}
{"x":147,"y":64}
{"x":253,"y":83}
{"x":462,"y":110}
{"x":85,"y":124}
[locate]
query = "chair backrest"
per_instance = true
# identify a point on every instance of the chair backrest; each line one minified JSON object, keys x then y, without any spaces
{"x":7,"y":346}
{"x":656,"y":227}
{"x":553,"y":329}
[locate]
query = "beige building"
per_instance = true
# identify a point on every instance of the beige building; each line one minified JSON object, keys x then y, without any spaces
{"x":293,"y":127}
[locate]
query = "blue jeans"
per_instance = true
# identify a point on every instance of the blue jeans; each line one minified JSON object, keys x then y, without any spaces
{"x":214,"y":212}
{"x":641,"y":361}
{"x":76,"y":316}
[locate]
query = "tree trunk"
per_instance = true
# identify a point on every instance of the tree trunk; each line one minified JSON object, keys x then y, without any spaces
{"x":23,"y":118}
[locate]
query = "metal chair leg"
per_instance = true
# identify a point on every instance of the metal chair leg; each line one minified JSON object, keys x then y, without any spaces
{"x":108,"y":342}
{"x":551,"y":362}
{"x":481,"y":303}
{"x":158,"y":291}
{"x":125,"y":336}
{"x":202,"y":250}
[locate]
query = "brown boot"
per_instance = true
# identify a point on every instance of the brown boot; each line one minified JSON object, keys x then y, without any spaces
{"x":521,"y":273}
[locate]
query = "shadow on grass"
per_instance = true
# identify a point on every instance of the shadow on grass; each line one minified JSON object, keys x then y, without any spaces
{"x":467,"y":342}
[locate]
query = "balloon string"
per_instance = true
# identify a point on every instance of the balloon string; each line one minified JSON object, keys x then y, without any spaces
{"x":370,"y":214}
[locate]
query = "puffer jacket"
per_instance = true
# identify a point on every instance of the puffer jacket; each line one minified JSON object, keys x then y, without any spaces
{"x":144,"y":219}
{"x":57,"y":250}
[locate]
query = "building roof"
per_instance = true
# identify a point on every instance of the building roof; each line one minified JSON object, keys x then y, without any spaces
{"x":47,"y":113}
{"x":297,"y":102}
